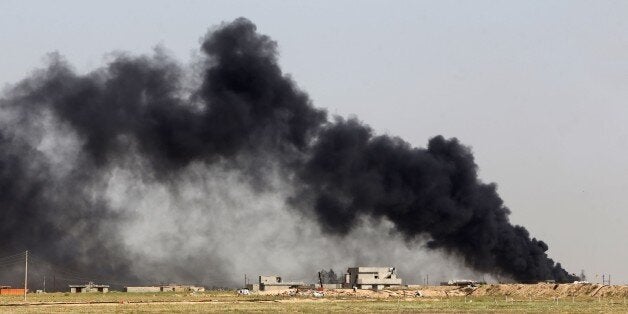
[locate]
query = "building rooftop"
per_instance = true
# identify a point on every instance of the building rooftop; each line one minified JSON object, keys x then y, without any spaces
{"x":89,"y":285}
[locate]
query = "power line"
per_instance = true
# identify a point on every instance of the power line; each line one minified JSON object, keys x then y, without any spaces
{"x":40,"y":266}
{"x":20,"y":255}
{"x":12,"y":260}
{"x":57,"y":268}
{"x":12,"y":264}
{"x":16,"y":258}
{"x":72,"y":274}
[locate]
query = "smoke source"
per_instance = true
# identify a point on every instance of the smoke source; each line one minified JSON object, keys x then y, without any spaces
{"x":87,"y":161}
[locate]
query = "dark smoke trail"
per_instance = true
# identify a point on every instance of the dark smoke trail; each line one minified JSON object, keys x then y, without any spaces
{"x":434,"y":191}
{"x":248,"y":113}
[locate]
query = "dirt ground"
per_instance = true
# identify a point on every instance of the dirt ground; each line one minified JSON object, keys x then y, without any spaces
{"x":553,"y":291}
{"x":486,"y":298}
{"x":516,"y":291}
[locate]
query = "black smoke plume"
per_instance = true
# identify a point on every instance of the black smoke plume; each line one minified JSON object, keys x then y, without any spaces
{"x":245,"y":111}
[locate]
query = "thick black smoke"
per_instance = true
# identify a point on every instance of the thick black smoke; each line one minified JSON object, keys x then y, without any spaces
{"x":432,"y":191}
{"x":243,"y":108}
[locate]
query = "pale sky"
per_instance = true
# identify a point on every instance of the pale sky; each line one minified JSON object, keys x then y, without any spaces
{"x":537,"y":88}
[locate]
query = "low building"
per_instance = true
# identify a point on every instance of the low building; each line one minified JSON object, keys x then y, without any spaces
{"x":181,"y":288}
{"x":252,"y":287}
{"x":7,"y":290}
{"x":89,"y":287}
{"x":375,"y":278}
{"x":274,"y":282}
{"x":327,"y":286}
{"x":142,"y":289}
{"x":165,"y":288}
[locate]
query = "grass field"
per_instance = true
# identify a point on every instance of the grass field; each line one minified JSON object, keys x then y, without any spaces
{"x":221,"y":301}
{"x":325,"y":306}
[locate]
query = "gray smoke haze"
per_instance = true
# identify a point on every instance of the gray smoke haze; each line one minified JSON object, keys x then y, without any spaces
{"x":146,"y":171}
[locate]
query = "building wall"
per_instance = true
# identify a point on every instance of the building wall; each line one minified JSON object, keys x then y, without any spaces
{"x":180,"y":288}
{"x":142,"y":289}
{"x":269,"y":279}
{"x":11,"y":291}
{"x":253,"y":287}
{"x":371,"y":278}
{"x":275,"y":287}
{"x":86,"y":289}
{"x":330,"y":286}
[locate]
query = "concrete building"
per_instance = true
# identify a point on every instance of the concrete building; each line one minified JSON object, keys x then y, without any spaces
{"x":142,"y":289}
{"x":328,"y":286}
{"x":89,"y":287}
{"x":371,"y":278}
{"x":274,"y":282}
{"x":253,"y":287}
{"x":181,"y":288}
{"x":165,"y":288}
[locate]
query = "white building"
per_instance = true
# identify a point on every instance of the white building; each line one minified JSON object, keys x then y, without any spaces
{"x":371,"y":278}
{"x":89,"y":287}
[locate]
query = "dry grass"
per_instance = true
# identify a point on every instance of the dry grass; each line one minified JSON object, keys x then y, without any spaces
{"x":217,"y":301}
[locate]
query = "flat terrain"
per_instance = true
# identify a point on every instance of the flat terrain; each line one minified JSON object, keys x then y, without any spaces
{"x":489,"y":298}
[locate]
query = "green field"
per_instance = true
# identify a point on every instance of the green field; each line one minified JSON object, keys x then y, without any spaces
{"x":226,"y":301}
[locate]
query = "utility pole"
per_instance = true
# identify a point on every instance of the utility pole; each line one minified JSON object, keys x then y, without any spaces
{"x":244,"y":280}
{"x":25,"y":273}
{"x":320,"y":279}
{"x":44,"y":283}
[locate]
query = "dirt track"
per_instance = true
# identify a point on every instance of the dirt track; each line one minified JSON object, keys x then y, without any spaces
{"x":522,"y":291}
{"x":487,"y":298}
{"x":552,"y":290}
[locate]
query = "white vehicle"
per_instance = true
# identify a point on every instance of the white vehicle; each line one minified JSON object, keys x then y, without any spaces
{"x":244,"y":292}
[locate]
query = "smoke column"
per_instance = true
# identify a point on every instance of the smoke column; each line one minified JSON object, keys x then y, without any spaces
{"x":63,"y":135}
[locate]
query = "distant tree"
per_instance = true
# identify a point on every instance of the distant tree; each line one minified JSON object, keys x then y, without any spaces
{"x":323,"y":276}
{"x":329,"y":277}
{"x":332,"y":277}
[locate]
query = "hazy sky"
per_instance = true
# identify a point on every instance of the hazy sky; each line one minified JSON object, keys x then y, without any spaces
{"x":539,"y":89}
